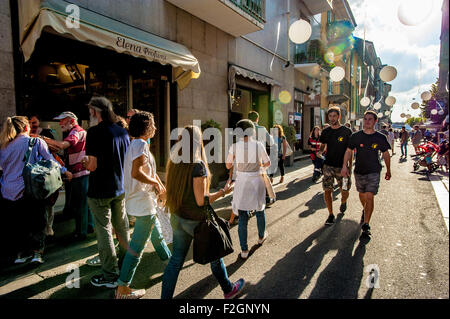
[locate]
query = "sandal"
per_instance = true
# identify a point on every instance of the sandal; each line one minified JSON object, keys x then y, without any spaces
{"x":94,"y":261}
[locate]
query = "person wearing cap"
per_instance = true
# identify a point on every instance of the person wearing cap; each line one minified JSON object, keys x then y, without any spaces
{"x":106,"y":145}
{"x":74,"y":146}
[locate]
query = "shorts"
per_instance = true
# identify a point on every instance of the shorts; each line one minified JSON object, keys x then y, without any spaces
{"x":367,"y":183}
{"x":329,"y":174}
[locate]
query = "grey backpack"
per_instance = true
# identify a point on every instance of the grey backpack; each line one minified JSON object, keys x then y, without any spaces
{"x":42,"y":178}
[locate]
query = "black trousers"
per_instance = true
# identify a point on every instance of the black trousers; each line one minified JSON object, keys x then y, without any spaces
{"x":280,"y":166}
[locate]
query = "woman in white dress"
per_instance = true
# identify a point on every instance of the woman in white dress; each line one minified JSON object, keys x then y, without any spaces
{"x":250,"y":159}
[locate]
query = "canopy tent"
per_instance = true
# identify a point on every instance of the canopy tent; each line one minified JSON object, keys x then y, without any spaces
{"x":105,"y":32}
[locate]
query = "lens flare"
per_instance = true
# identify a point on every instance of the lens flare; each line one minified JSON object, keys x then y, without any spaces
{"x":284,"y":97}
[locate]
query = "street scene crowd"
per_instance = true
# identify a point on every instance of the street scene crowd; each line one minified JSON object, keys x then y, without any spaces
{"x":114,"y":185}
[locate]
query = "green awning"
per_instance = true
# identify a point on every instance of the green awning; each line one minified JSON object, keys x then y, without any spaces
{"x":104,"y":32}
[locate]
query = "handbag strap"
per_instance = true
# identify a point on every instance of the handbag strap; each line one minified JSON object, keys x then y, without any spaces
{"x":31,"y":144}
{"x":206,"y":207}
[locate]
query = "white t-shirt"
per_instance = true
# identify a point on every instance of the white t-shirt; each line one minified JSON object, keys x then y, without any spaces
{"x":248,"y":155}
{"x":140,"y":198}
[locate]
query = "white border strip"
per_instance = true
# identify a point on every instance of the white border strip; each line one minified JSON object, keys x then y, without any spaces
{"x":441,"y":195}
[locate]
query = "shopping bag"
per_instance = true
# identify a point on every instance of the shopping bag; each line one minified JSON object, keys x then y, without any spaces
{"x":212,"y":239}
{"x":289,"y":151}
{"x":164,"y":221}
{"x":269,"y":188}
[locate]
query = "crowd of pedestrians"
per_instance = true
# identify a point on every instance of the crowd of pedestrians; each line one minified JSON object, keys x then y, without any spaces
{"x":113,"y":180}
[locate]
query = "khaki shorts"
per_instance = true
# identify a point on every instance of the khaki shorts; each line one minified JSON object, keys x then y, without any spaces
{"x":329,"y":174}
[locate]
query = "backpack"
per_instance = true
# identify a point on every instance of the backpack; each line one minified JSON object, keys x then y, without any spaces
{"x":42,"y":178}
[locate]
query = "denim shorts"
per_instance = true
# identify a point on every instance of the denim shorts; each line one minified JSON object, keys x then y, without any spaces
{"x":368,"y":183}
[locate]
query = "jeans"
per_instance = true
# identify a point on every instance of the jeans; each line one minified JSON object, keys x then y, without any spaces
{"x":183,"y":233}
{"x":109,"y":213}
{"x":158,"y":242}
{"x":143,"y":229}
{"x":405,"y":146}
{"x":243,"y":224}
{"x":79,"y":205}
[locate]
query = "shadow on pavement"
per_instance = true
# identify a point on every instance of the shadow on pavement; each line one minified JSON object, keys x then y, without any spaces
{"x":316,"y":203}
{"x":289,"y":277}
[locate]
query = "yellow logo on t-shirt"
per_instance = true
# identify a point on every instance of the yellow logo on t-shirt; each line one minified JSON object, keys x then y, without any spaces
{"x":340,"y":139}
{"x":374,"y":146}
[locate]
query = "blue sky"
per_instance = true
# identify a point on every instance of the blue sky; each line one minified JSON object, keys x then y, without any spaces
{"x":403,"y":46}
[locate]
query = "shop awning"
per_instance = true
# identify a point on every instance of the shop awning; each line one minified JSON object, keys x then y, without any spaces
{"x":104,"y":32}
{"x":236,"y":70}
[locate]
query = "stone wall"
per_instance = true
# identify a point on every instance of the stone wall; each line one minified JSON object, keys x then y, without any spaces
{"x":7,"y":92}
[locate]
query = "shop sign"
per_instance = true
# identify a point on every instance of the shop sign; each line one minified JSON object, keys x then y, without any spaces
{"x":291,"y":119}
{"x":136,"y":48}
{"x":297,"y":116}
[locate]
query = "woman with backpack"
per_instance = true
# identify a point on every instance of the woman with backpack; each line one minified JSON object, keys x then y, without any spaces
{"x":14,"y":144}
{"x":188,"y":181}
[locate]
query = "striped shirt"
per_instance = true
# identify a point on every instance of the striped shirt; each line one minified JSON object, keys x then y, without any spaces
{"x":76,"y":151}
{"x":12,"y":162}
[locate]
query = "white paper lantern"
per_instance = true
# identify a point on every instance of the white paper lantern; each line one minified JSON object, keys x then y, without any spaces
{"x":388,"y":73}
{"x":434,"y":112}
{"x":380,"y":115}
{"x":300,"y":31}
{"x":441,"y":112}
{"x":390,"y":100}
{"x":377,"y":106}
{"x":365,"y":101}
{"x":415,"y":105}
{"x":426,"y":95}
{"x":408,"y":116}
{"x":337,"y":74}
{"x":402,"y":115}
{"x":414,"y":12}
{"x":387,"y":113}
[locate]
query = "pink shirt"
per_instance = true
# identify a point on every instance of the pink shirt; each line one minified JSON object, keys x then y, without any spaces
{"x":76,"y":151}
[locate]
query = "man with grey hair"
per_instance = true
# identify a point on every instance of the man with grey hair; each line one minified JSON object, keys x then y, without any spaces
{"x":74,"y":146}
{"x":106,"y":145}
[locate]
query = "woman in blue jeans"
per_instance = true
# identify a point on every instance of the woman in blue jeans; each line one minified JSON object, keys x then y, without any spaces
{"x":250,"y":158}
{"x":142,"y":187}
{"x":188,"y":181}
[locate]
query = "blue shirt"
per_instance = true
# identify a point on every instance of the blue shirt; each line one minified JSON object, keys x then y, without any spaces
{"x":108,"y":143}
{"x":12,"y":163}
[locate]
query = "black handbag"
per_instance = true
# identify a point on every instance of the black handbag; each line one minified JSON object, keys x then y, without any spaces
{"x":212,"y":239}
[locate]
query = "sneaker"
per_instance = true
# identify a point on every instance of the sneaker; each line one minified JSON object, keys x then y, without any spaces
{"x":262,"y":240}
{"x":244,"y":255}
{"x":134,"y":294}
{"x":22,"y":260}
{"x":343,"y":207}
{"x":330,"y":220}
{"x":94,"y":261}
{"x":101,"y":281}
{"x":366,"y":229}
{"x":237,"y":288}
{"x":362,"y":218}
{"x":37,"y":258}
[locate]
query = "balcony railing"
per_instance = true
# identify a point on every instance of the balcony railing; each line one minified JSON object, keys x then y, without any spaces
{"x":255,"y":8}
{"x":341,"y":91}
{"x":311,"y":52}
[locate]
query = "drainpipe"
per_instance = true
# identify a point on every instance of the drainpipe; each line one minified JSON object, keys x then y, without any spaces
{"x":288,"y":14}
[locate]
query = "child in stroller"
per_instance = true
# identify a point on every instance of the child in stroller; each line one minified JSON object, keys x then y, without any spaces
{"x":425,"y":156}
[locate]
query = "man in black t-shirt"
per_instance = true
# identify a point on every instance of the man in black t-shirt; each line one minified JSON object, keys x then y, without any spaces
{"x":335,"y":139}
{"x":368,"y":143}
{"x":106,"y":144}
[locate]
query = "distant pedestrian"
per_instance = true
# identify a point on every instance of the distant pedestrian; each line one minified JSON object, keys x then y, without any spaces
{"x":368,"y":143}
{"x":416,"y":138}
{"x":335,"y":138}
{"x":250,"y":158}
{"x":281,"y":143}
{"x":404,"y":137}
{"x":314,"y":142}
{"x":391,"y":140}
{"x":106,"y":145}
{"x":384,"y":130}
{"x":187,"y":185}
